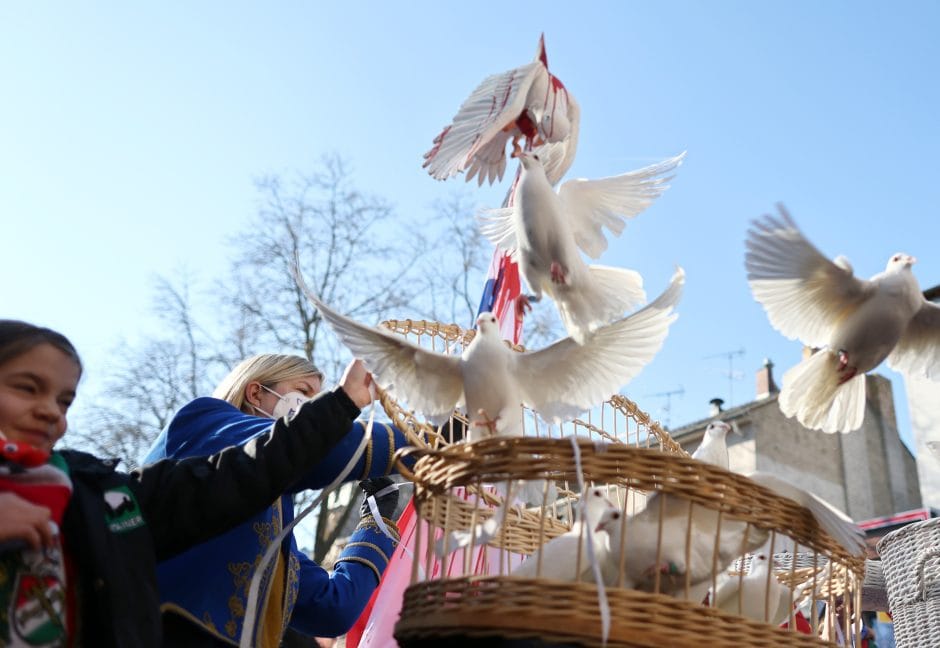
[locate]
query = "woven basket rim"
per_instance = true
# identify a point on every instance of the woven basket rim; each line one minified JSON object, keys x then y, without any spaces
{"x":902,"y":534}
{"x":459,"y":606}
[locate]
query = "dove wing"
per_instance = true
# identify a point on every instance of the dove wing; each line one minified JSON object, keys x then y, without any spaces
{"x":918,"y":351}
{"x":592,"y":205}
{"x":431,"y":383}
{"x":498,"y":227}
{"x":805,"y":294}
{"x":836,"y":523}
{"x":566,"y":378}
{"x":726,"y":596}
{"x":495,"y":104}
{"x":488,"y":163}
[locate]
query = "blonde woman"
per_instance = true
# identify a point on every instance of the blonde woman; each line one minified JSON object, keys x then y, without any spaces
{"x":204,"y":590}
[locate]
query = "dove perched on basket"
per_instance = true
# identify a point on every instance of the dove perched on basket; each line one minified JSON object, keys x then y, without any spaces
{"x":491,"y":381}
{"x":525,"y":102}
{"x":856,"y":323}
{"x":714,"y":446}
{"x":544,"y":231}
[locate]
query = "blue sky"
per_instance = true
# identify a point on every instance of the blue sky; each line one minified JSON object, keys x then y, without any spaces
{"x":130,"y":136}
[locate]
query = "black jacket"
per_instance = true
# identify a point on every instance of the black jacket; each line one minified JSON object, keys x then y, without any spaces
{"x":118,"y":525}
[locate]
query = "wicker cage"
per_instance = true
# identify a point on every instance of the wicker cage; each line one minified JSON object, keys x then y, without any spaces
{"x":910,"y":558}
{"x":466,"y":591}
{"x":481,"y":604}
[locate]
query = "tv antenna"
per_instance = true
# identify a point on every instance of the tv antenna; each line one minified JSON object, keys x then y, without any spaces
{"x":667,"y":408}
{"x":732,"y":376}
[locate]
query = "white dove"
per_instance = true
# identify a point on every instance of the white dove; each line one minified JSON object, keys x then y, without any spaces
{"x":856,"y":323}
{"x":757,"y":594}
{"x":714,"y":446}
{"x":645,"y":530}
{"x":544,"y":229}
{"x":558,"y":382}
{"x":565,"y":557}
{"x":639,"y":536}
{"x":642,"y":537}
{"x":528,"y":102}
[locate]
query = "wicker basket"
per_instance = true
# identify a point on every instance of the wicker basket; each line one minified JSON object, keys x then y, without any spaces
{"x":505,"y":606}
{"x":910,"y":557}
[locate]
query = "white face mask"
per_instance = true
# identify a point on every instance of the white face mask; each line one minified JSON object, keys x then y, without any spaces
{"x":287,"y":404}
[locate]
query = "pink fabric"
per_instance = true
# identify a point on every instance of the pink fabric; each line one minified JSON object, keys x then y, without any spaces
{"x":375,"y":627}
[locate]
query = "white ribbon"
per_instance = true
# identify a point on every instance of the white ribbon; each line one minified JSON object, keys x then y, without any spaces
{"x":592,"y":557}
{"x":374,"y":507}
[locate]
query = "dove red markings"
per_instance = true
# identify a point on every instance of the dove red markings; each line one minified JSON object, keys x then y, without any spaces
{"x":526,"y":125}
{"x":439,"y":141}
{"x":559,"y":87}
{"x":506,"y":94}
{"x":845,"y":372}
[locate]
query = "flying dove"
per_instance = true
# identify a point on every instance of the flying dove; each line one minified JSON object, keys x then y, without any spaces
{"x":492,"y":381}
{"x":527,"y":102}
{"x":544,"y":229}
{"x":856,"y":323}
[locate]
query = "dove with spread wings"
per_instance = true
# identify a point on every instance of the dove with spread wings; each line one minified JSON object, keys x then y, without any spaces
{"x":491,"y":381}
{"x":527,"y":102}
{"x":544,"y":229}
{"x":856,"y":323}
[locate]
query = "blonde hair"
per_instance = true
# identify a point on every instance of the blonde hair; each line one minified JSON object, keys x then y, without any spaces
{"x":268,"y":369}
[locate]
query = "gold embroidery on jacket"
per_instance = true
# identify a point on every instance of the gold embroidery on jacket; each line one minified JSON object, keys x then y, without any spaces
{"x":370,"y":545}
{"x":364,"y":561}
{"x":391,"y":449}
{"x":367,"y":464}
{"x":243,"y":571}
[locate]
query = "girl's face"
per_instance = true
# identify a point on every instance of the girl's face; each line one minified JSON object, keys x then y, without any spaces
{"x":36,"y":390}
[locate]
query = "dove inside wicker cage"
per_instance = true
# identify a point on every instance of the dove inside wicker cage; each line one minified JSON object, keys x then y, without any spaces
{"x":709,"y":557}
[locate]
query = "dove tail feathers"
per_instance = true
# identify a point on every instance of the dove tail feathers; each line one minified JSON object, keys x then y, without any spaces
{"x":812,"y":393}
{"x":605,"y":294}
{"x":623,"y":288}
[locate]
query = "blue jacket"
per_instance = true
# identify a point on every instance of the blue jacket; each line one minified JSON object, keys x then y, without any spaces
{"x":208,"y":584}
